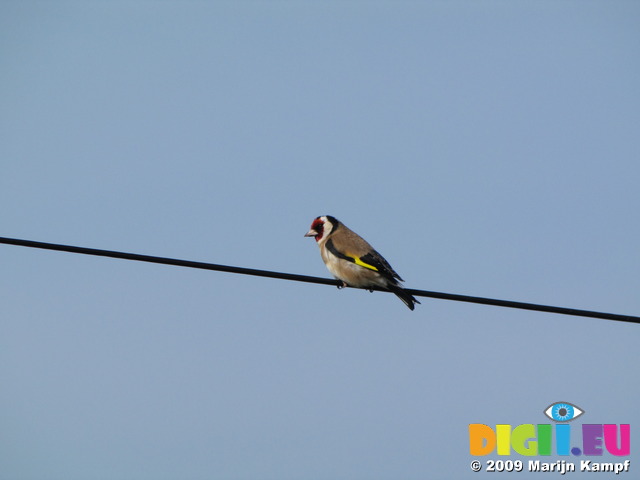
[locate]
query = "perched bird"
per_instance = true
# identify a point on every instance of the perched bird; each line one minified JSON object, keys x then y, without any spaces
{"x":353,"y":261}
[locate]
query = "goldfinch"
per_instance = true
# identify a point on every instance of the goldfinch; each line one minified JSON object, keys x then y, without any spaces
{"x":353,"y":261}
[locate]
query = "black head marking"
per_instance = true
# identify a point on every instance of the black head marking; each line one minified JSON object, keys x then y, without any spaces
{"x":334,"y":221}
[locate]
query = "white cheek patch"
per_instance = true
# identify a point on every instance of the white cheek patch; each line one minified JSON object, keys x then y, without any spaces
{"x":328,"y":227}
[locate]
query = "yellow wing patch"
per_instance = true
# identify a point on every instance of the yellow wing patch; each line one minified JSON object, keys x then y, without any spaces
{"x":357,"y":261}
{"x":346,"y":256}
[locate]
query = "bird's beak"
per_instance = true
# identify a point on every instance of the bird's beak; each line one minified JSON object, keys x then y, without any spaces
{"x":311,"y":233}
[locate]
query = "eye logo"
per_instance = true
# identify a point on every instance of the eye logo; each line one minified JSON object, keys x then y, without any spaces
{"x":563,"y":412}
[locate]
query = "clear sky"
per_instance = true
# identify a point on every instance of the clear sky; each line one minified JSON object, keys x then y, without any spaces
{"x":488,"y":148}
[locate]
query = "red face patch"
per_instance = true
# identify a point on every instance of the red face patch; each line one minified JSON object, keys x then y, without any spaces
{"x":318,"y":226}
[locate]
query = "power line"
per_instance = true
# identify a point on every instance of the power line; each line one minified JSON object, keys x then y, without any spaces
{"x":309,"y":279}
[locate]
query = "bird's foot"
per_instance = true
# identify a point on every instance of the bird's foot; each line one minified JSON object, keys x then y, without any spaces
{"x":344,"y":284}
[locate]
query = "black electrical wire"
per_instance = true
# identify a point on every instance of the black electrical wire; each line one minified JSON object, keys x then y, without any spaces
{"x":309,"y":279}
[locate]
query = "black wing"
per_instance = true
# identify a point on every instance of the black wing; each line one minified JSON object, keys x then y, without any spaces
{"x":375,"y":259}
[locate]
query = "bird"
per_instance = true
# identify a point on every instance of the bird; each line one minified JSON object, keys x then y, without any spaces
{"x":353,"y":261}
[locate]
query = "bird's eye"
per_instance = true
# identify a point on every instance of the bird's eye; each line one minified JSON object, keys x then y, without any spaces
{"x":563,"y":412}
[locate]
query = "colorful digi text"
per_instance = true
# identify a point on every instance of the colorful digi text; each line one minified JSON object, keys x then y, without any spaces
{"x":584,"y":444}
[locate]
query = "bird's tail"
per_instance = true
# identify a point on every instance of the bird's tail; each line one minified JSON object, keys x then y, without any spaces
{"x":408,"y":299}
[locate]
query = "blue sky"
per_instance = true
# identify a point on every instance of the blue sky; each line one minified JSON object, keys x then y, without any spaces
{"x":484,"y":148}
